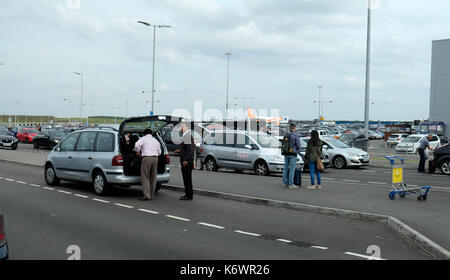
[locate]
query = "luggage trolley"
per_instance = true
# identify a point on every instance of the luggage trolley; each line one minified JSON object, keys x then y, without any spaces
{"x":398,"y":183}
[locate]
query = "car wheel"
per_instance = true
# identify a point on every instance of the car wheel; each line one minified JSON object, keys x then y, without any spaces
{"x":50,"y":176}
{"x":210,"y":164}
{"x":101,"y":186}
{"x":261,"y":168}
{"x":445,"y":167}
{"x":339,"y":162}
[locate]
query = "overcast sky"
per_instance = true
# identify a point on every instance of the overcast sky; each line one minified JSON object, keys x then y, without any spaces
{"x":282,"y":50}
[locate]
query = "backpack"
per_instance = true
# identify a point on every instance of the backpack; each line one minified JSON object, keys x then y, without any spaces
{"x":287,"y":146}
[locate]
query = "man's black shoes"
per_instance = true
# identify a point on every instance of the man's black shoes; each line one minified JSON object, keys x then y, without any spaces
{"x":185,"y":198}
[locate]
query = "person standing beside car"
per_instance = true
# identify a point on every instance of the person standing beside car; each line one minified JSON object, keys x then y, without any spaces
{"x":149,"y":148}
{"x":313,"y":154}
{"x":290,"y":149}
{"x":187,"y":156}
{"x":423,"y":145}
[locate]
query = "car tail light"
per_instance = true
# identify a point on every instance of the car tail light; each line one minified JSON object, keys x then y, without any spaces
{"x":399,"y":139}
{"x":201,"y":150}
{"x":167,"y":159}
{"x":117,"y":161}
{"x":2,"y":228}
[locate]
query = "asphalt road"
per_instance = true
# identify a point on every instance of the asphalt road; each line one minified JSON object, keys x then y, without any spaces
{"x":42,"y":222}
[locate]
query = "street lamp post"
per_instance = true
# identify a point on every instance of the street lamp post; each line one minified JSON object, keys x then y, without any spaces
{"x":320,"y":92}
{"x":87,"y":120}
{"x":154,"y":50}
{"x":367,"y":96}
{"x":228,"y":54}
{"x":81,"y":103}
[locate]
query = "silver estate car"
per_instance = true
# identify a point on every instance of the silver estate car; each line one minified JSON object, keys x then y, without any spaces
{"x":342,"y":156}
{"x":243,"y":150}
{"x":105,"y":157}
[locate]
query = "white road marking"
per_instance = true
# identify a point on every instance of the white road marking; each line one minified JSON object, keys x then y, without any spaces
{"x":34,"y":185}
{"x":248,"y":233}
{"x":284,"y":240}
{"x":1,"y":178}
{"x":20,"y":182}
{"x":319,"y":247}
{"x":377,"y":183}
{"x":332,"y":179}
{"x":48,"y":188}
{"x":123,"y":205}
{"x":7,"y":179}
{"x":368,"y":171}
{"x":178,"y":218}
{"x":82,"y":196}
{"x":100,"y":200}
{"x":64,"y":192}
{"x":211,"y":225}
{"x":363,"y":256}
{"x":352,"y":181}
{"x":148,"y":211}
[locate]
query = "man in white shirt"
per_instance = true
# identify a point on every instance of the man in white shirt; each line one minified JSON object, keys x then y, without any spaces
{"x":149,"y":148}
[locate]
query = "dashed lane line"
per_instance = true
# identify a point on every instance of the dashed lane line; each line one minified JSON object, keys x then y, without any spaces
{"x":284,"y":240}
{"x":124,"y":206}
{"x":11,"y":180}
{"x":363,"y":256}
{"x":22,"y":183}
{"x":148,"y":211}
{"x":100,"y":200}
{"x":82,"y":196}
{"x":65,"y":192}
{"x":48,"y":188}
{"x":248,"y":233}
{"x":352,"y":181}
{"x":378,"y":183}
{"x":35,"y":185}
{"x":211,"y":225}
{"x":178,"y":218}
{"x":319,"y":247}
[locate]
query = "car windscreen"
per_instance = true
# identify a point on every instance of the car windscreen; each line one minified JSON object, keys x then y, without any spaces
{"x":394,"y":136}
{"x":336,"y":143}
{"x":154,"y":125}
{"x":32,"y":131}
{"x":411,"y":139}
{"x":266,"y":141}
{"x":57,"y":134}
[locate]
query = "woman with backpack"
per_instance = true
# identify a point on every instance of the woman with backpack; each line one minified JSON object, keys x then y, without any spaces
{"x":312,"y":155}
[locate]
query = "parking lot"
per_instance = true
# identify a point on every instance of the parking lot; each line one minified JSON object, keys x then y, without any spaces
{"x":288,"y":234}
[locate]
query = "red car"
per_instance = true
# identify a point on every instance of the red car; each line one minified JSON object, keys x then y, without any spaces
{"x":26,"y":135}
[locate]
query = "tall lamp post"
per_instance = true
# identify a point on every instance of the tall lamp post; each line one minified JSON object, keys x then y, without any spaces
{"x":367,"y":96}
{"x":320,"y":93}
{"x":154,"y":47}
{"x":228,"y":54}
{"x":81,"y":101}
{"x":87,"y":120}
{"x":115,"y":115}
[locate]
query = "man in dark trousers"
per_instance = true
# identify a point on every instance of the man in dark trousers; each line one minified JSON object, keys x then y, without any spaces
{"x":187,"y":150}
{"x":423,"y":145}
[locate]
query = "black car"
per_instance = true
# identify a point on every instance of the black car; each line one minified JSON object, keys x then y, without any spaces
{"x":4,"y":253}
{"x":355,"y":141}
{"x":7,"y":140}
{"x":48,"y":139}
{"x":441,"y":160}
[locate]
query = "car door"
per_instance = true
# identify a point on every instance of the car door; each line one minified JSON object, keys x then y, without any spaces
{"x":84,"y":156}
{"x":225,"y":149}
{"x":243,"y":155}
{"x":63,"y":156}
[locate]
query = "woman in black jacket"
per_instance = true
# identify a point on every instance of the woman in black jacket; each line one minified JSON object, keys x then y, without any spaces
{"x":313,"y":153}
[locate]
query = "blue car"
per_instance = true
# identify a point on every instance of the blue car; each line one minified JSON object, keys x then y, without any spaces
{"x":3,"y":243}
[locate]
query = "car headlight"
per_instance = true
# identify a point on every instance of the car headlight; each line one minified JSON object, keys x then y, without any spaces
{"x":277,"y":158}
{"x":353,"y":155}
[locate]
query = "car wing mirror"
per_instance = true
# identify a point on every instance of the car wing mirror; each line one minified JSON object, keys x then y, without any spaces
{"x":58,"y":148}
{"x":325,"y":147}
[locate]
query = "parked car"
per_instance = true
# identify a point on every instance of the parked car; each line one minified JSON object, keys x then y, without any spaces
{"x":442,"y":159}
{"x":26,"y":135}
{"x":173,"y":136}
{"x":374,"y":135}
{"x":48,"y":139}
{"x":244,"y":150}
{"x":103,"y":156}
{"x":395,"y":139}
{"x":4,"y":252}
{"x":8,"y":141}
{"x":342,"y":156}
{"x":412,"y":143}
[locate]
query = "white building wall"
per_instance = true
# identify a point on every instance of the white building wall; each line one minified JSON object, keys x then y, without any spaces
{"x":440,"y":83}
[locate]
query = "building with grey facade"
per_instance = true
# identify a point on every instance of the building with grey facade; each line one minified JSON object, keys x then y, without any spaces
{"x":440,"y":83}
